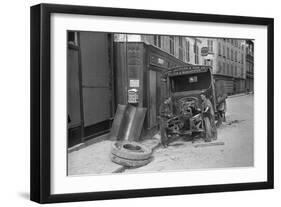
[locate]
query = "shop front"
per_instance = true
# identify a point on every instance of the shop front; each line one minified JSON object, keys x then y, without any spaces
{"x":239,"y":85}
{"x":138,"y":69}
{"x":249,"y":82}
{"x":224,"y":84}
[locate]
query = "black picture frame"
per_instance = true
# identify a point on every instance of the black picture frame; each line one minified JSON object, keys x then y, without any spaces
{"x":41,"y":96}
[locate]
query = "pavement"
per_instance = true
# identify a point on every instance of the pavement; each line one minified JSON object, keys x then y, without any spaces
{"x":94,"y":157}
{"x":234,"y":148}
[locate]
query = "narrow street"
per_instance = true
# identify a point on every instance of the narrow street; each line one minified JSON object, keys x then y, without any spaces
{"x":237,"y":151}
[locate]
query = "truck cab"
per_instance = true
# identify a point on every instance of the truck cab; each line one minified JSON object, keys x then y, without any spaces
{"x":184,"y":86}
{"x":186,"y":83}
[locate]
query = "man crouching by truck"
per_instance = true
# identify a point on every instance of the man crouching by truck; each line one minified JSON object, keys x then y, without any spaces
{"x":208,"y":112}
{"x":166,"y":112}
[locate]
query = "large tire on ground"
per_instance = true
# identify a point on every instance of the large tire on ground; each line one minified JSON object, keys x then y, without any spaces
{"x":208,"y":128}
{"x":131,"y":150}
{"x":128,"y":162}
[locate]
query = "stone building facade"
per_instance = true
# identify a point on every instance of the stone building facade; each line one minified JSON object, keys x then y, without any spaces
{"x":226,"y":56}
{"x":249,"y":65}
{"x":187,"y":49}
{"x":228,"y":60}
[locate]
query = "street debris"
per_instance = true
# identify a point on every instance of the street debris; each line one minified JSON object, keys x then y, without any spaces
{"x":207,"y":144}
{"x":234,"y":122}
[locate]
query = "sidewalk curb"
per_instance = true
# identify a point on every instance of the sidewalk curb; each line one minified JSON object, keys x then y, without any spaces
{"x":88,"y":143}
{"x":152,"y":142}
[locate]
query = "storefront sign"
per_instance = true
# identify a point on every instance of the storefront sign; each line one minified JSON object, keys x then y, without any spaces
{"x":133,"y":95}
{"x":154,"y":60}
{"x":204,"y":51}
{"x":188,"y":70}
{"x":160,"y":61}
{"x":135,"y":83}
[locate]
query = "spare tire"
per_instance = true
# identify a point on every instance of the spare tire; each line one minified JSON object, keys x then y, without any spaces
{"x":128,"y":162}
{"x":131,"y":150}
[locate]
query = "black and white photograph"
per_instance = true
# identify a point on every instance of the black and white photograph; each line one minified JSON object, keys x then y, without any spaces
{"x":144,"y":103}
{"x":133,"y":103}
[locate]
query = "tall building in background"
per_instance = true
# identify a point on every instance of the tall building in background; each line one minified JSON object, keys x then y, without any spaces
{"x":227,"y":58}
{"x":249,"y":65}
{"x":186,"y":49}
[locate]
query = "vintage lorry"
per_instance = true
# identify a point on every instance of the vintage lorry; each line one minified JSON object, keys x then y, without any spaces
{"x":183,"y":87}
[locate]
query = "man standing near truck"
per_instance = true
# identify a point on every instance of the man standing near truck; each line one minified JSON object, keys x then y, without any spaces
{"x":209,"y":118}
{"x":166,"y":113}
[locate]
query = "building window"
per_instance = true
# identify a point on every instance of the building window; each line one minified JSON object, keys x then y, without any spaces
{"x":227,"y":53}
{"x":187,"y":51}
{"x":180,"y":49}
{"x":227,"y":69}
{"x":196,"y":53}
{"x":210,"y":45}
{"x":219,"y":67}
{"x":223,"y":51}
{"x":211,"y":63}
{"x":242,"y":58}
{"x":180,"y":41}
{"x":172,"y":45}
{"x":231,"y":54}
{"x":72,"y":38}
{"x":219,"y":49}
{"x":235,"y":56}
{"x":159,"y":41}
{"x":208,"y":62}
{"x":155,"y":40}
